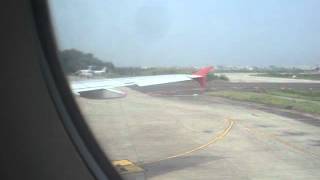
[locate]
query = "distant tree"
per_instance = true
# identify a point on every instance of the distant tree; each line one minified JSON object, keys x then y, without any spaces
{"x":72,"y":60}
{"x":211,"y":76}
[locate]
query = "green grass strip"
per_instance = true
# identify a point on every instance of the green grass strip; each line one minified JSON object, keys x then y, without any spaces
{"x":304,"y":105}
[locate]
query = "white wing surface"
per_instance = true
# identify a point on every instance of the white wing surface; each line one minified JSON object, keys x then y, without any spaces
{"x":110,"y":84}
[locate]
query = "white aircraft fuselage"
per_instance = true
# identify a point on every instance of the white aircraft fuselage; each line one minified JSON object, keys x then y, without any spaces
{"x":90,"y":73}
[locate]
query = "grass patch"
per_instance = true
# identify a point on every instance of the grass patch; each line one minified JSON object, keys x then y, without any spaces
{"x":279,"y":100}
{"x":291,"y":75}
{"x":212,"y":76}
{"x":306,"y":95}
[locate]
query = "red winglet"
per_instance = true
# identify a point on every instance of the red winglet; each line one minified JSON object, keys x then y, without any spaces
{"x":203,"y":72}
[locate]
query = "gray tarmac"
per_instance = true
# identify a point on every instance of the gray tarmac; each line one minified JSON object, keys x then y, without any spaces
{"x":178,"y":132}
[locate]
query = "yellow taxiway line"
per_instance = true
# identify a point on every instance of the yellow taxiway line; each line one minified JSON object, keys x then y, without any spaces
{"x":216,"y":138}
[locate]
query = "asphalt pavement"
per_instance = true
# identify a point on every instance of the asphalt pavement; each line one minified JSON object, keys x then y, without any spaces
{"x":181,"y":133}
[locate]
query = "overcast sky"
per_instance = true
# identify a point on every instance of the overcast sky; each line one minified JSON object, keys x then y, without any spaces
{"x":191,"y":33}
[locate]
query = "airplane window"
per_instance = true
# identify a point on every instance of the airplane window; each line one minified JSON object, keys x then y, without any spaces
{"x":197,"y":89}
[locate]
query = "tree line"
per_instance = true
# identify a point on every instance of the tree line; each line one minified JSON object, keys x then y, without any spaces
{"x":73,"y":60}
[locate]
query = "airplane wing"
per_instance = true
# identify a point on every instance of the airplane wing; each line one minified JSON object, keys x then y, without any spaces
{"x":111,"y":84}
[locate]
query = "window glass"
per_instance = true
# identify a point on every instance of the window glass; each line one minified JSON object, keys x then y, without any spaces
{"x":197,"y":89}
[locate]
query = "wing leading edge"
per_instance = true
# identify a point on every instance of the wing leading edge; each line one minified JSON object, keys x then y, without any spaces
{"x":110,"y":84}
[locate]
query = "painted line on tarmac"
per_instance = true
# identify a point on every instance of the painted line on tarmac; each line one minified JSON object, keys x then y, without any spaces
{"x":216,"y":138}
{"x":274,"y":137}
{"x":125,"y":166}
